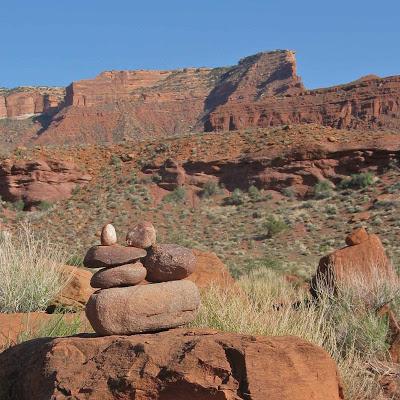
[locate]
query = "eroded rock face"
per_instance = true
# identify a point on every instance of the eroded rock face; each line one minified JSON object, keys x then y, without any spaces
{"x":25,"y":102}
{"x":369,"y":104}
{"x":179,"y":364}
{"x":262,"y":90}
{"x":143,"y":308}
{"x":276,"y":168}
{"x":39,"y":180}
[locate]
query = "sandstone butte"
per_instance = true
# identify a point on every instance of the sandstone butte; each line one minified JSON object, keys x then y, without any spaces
{"x":179,"y":364}
{"x":262,"y":90}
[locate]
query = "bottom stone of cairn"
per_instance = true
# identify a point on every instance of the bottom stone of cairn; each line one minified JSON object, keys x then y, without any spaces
{"x":143,"y":308}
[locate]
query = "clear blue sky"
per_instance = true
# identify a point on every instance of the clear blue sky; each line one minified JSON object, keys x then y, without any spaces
{"x":53,"y":42}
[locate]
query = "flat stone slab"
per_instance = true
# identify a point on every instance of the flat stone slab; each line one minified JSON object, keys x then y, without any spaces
{"x":143,"y":308}
{"x":124,"y":275}
{"x":112,"y":256}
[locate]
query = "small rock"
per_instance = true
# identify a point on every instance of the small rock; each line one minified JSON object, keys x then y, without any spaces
{"x":142,"y":235}
{"x":112,"y":256}
{"x":356,"y":237}
{"x":108,"y":235}
{"x":124,"y":275}
{"x":332,"y":139}
{"x":143,"y":308}
{"x":169,"y":262}
{"x":361,"y":216}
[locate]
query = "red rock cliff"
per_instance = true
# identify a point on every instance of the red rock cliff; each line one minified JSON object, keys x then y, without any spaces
{"x":25,"y":101}
{"x":262,"y":90}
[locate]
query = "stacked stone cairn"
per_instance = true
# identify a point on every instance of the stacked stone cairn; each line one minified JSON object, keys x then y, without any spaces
{"x":124,"y":304}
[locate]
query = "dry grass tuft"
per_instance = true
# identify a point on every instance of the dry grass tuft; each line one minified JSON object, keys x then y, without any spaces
{"x":346,"y":323}
{"x":30,"y":271}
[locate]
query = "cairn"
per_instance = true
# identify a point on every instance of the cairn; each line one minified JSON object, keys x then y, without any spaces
{"x":124,"y":305}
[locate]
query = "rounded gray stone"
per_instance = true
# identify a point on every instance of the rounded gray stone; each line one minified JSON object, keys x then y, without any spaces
{"x":124,"y":275}
{"x":169,"y":262}
{"x":143,"y":308}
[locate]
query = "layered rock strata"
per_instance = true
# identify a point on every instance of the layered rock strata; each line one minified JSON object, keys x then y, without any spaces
{"x":25,"y":102}
{"x":262,"y":90}
{"x":39,"y":180}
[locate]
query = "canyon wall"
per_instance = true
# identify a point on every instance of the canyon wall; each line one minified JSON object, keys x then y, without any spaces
{"x":370,"y":103}
{"x":262,"y":90}
{"x":28,"y":101}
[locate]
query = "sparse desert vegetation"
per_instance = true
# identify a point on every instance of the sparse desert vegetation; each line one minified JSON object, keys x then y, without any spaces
{"x":346,"y":323}
{"x":30,"y":270}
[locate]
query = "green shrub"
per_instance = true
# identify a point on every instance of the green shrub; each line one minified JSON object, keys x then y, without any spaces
{"x":176,"y":196}
{"x":75,"y":260}
{"x":210,"y":189}
{"x":253,"y":264}
{"x":44,"y":205}
{"x":134,"y":179}
{"x":322,"y":190}
{"x":274,"y":226}
{"x":30,"y":271}
{"x":254,"y":193}
{"x":357,"y":181}
{"x":289,"y":192}
{"x":236,"y":198}
{"x":116,"y":161}
{"x":18,"y":205}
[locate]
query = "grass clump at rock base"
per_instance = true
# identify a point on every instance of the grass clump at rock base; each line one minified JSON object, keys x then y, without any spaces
{"x":30,"y":271}
{"x":346,"y":323}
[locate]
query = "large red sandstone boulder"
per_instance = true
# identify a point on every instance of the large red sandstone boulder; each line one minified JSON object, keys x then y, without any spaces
{"x":174,"y":365}
{"x":39,"y":180}
{"x":364,"y":258}
{"x":210,"y":270}
{"x":77,"y":291}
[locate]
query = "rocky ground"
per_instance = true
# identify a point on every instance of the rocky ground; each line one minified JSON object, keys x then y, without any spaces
{"x":288,"y":228}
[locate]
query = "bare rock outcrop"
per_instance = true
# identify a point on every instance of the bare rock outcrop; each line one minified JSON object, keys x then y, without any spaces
{"x":299,"y":167}
{"x":28,"y":101}
{"x":362,"y":262}
{"x":177,"y":364}
{"x":39,"y":180}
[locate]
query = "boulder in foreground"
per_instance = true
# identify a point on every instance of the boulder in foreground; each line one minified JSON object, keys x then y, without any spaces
{"x":173,"y":365}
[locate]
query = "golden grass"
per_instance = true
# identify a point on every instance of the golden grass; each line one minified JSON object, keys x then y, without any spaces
{"x":345,"y":324}
{"x":30,"y":271}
